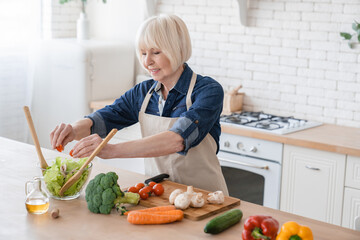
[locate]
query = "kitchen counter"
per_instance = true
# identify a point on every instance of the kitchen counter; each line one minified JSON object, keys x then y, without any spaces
{"x":327,"y":137}
{"x":18,"y":164}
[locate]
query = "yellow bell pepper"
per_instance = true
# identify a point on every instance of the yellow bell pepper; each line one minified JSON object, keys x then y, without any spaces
{"x":294,"y":231}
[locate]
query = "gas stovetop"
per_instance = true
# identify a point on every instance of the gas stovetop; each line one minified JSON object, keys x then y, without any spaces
{"x":266,"y":122}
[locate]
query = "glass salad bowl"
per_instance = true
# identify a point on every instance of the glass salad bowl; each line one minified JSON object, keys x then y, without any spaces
{"x":59,"y":171}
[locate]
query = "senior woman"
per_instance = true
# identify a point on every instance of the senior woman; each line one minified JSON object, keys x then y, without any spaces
{"x":178,"y":112}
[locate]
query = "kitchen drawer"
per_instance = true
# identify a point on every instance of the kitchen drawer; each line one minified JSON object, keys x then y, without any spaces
{"x":351,"y":207}
{"x":352,"y":178}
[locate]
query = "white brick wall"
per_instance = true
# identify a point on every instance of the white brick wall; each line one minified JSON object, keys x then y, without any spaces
{"x":290,"y":59}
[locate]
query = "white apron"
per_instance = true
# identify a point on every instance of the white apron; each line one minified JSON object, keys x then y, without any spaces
{"x":199,"y":168}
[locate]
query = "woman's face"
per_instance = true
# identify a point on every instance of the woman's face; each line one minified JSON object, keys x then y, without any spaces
{"x":157,"y":64}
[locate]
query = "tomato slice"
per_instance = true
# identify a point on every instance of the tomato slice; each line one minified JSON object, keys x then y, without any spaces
{"x":71,"y":153}
{"x":60,"y":148}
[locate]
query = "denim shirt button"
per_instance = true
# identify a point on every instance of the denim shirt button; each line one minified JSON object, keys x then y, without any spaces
{"x":196,"y":121}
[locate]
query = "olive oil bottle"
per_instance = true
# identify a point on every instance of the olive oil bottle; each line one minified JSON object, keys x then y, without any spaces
{"x":37,"y":201}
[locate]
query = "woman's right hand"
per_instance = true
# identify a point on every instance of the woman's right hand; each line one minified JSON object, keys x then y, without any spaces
{"x":62,"y":135}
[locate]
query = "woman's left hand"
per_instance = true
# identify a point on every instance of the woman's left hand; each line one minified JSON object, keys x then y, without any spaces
{"x":87,"y":145}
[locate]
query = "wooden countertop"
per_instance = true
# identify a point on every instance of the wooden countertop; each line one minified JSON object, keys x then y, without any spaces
{"x":327,"y":137}
{"x":18,"y":164}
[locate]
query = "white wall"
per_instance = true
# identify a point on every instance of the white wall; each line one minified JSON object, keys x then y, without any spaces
{"x":290,"y":58}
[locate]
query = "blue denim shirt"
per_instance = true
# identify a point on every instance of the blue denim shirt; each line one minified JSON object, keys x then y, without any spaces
{"x":193,"y":124}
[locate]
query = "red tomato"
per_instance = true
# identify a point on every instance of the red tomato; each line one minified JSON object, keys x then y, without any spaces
{"x":71,"y":153}
{"x":140,"y":185}
{"x":143,"y":195}
{"x":145,"y":192}
{"x":151,"y":184}
{"x":158,"y":189}
{"x":133,"y":189}
{"x":60,"y":148}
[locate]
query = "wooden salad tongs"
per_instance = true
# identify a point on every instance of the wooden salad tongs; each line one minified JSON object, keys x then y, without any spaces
{"x":30,"y":122}
{"x":77,"y":175}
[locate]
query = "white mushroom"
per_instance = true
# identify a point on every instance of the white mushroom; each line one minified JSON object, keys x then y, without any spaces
{"x":216,"y":197}
{"x":173,"y":195}
{"x":197,"y":200}
{"x":182,"y":201}
{"x":190,"y":190}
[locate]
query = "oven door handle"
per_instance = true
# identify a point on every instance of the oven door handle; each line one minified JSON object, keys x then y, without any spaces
{"x":244,"y":164}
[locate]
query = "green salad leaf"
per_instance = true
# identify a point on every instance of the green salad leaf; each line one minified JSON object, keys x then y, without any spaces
{"x":56,"y":175}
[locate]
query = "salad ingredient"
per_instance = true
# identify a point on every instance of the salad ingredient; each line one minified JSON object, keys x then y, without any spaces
{"x":55,"y":213}
{"x":155,"y":209}
{"x":197,"y":200}
{"x":294,"y":231}
{"x":60,"y":148}
{"x":71,"y":152}
{"x":56,"y":175}
{"x":216,"y":197}
{"x":152,"y":184}
{"x":158,"y":189}
{"x":103,"y":193}
{"x":223,"y":221}
{"x":260,"y":227}
{"x":133,"y":189}
{"x":156,"y":217}
{"x":140,"y":185}
{"x":145,"y":192}
{"x":173,"y":195}
{"x":183,"y":200}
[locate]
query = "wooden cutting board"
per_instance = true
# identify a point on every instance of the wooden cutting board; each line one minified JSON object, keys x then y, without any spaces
{"x":191,"y":213}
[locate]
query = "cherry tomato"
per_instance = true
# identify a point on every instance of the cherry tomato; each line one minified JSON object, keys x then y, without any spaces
{"x":143,"y":195}
{"x":133,"y":189}
{"x":145,"y":192}
{"x":71,"y":153}
{"x":158,"y":189}
{"x":151,"y":184}
{"x":140,"y":185}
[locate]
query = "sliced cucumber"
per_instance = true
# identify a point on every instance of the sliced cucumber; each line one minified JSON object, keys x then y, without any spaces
{"x":223,"y":221}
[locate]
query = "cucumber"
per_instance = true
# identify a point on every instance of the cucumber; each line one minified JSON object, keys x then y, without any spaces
{"x":223,"y":221}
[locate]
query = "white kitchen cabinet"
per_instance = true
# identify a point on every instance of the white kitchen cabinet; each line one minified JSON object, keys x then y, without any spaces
{"x":313,"y":183}
{"x":351,"y":207}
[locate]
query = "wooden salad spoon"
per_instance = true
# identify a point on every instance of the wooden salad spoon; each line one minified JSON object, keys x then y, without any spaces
{"x":77,"y":175}
{"x":30,"y":122}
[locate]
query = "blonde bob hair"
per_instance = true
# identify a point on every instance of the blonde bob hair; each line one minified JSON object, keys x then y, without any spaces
{"x":167,"y":33}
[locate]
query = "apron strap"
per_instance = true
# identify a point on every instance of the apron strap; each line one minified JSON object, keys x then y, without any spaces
{"x":191,"y":87}
{"x":146,"y":100}
{"x":188,"y":95}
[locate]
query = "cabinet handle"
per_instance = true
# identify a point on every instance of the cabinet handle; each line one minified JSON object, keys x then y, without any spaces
{"x":312,"y":168}
{"x":244,"y":164}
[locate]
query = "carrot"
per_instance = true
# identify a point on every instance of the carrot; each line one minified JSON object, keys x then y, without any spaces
{"x":154,"y":209}
{"x":157,"y":217}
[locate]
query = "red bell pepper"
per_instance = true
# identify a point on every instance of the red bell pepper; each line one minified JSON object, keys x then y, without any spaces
{"x":260,"y":227}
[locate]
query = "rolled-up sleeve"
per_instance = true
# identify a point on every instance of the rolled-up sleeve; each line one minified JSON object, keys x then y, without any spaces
{"x":202,"y":117}
{"x":98,"y":126}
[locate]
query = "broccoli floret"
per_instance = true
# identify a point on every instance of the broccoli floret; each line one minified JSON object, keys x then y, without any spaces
{"x":103,"y":192}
